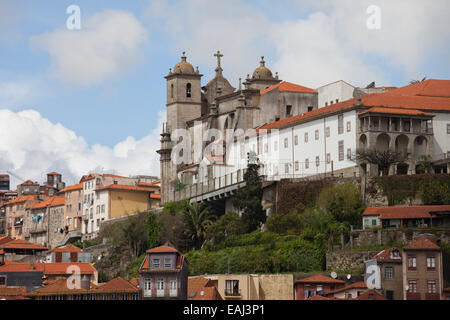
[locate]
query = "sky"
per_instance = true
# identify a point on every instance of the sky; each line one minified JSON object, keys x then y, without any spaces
{"x":93,"y":99}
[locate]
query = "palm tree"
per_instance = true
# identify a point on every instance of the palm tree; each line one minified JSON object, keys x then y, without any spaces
{"x":197,"y":218}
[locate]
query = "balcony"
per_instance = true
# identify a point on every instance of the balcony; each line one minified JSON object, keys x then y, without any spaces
{"x":395,"y":125}
{"x":432,"y":296}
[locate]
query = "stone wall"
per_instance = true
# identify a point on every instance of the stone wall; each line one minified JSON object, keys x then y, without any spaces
{"x":389,"y":236}
{"x":348,"y":260}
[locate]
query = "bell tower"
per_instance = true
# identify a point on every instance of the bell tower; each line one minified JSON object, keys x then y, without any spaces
{"x":184,"y":95}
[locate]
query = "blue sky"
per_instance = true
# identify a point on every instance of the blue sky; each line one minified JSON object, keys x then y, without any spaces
{"x":109,"y":103}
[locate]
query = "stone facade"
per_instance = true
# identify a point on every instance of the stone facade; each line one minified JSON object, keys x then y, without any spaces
{"x":348,"y":260}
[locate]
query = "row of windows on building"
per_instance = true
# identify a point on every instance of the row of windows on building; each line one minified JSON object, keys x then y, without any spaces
{"x":156,"y":263}
{"x":431,"y":286}
{"x":296,"y":140}
{"x":412,"y":263}
{"x":160,"y":286}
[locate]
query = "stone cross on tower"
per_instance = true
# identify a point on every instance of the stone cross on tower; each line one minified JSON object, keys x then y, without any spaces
{"x":263,"y":63}
{"x":219,"y":68}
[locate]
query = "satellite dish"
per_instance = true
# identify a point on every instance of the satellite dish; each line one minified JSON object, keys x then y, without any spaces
{"x":334,"y":275}
{"x":406,"y":287}
{"x":349,"y":276}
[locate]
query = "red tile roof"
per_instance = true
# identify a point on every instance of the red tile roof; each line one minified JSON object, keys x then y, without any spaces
{"x":67,"y":248}
{"x":13,"y":293}
{"x":117,"y":285}
{"x":155,"y":196}
{"x":22,"y":244}
{"x":410,"y":112}
{"x":135,"y":282}
{"x":53,"y":174}
{"x":403,"y":212}
{"x":162,"y":249}
{"x":356,"y":285}
{"x":288,"y":87}
{"x":318,"y":278}
{"x":432,"y":95}
{"x":21,"y":199}
{"x":62,"y":267}
{"x":29,"y":182}
{"x":423,"y":243}
{"x":370,"y":293}
{"x":52,"y":202}
{"x":319,"y":297}
{"x":56,"y":287}
{"x":200,"y":288}
{"x":74,"y":187}
{"x":124,"y":187}
{"x":386,"y":254}
{"x":5,"y":240}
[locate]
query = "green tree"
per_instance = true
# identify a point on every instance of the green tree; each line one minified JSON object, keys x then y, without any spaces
{"x":435,"y":192}
{"x":197,"y":218}
{"x":153,"y":229}
{"x":134,"y":234}
{"x":230,"y":224}
{"x":289,"y":223}
{"x":248,"y":199}
{"x":343,"y":202}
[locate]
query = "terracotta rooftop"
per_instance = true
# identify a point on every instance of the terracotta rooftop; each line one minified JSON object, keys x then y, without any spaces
{"x":155,"y":196}
{"x":50,"y":202}
{"x":53,"y":174}
{"x":162,"y":249}
{"x":5,"y":240}
{"x":60,"y":268}
{"x":288,"y":87}
{"x":410,"y":112}
{"x":117,"y":285}
{"x":386,"y":254}
{"x":135,"y":282}
{"x":427,"y":88}
{"x":56,"y":287}
{"x":402,"y":212}
{"x":356,"y":285}
{"x":13,"y":293}
{"x":21,"y":199}
{"x":29,"y":182}
{"x":22,"y":244}
{"x":124,"y":187}
{"x":74,"y":187}
{"x":423,"y":243}
{"x":371,"y":295}
{"x":318,"y":278}
{"x":67,"y":248}
{"x":319,"y":297}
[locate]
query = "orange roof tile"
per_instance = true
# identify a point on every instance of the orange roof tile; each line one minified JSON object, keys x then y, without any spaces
{"x":22,"y":244}
{"x":5,"y":240}
{"x":403,"y":212}
{"x":410,"y":112}
{"x":356,"y":285}
{"x":288,"y":87}
{"x":162,"y":249}
{"x":13,"y":292}
{"x":62,"y":267}
{"x":52,"y":202}
{"x":29,"y":182}
{"x":371,"y":293}
{"x":423,"y":243}
{"x":124,"y":187}
{"x":74,"y":187}
{"x":319,"y":297}
{"x":135,"y":282}
{"x":67,"y":248}
{"x":54,"y":174}
{"x":21,"y":199}
{"x":206,"y":293}
{"x":155,"y":196}
{"x":318,"y":278}
{"x":386,"y":254}
{"x":56,"y":287}
{"x":427,"y":88}
{"x":117,"y":285}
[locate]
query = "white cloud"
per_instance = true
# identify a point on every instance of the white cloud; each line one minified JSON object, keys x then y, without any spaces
{"x":107,"y":45}
{"x":332,"y":42}
{"x":32,"y":146}
{"x":15,"y":94}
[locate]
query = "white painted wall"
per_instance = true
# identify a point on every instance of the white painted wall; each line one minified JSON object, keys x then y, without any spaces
{"x":340,"y":90}
{"x":441,"y":137}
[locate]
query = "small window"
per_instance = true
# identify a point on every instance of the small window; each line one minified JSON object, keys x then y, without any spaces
{"x":412,"y":284}
{"x":431,"y":263}
{"x":171,"y":90}
{"x":288,"y":111}
{"x":296,"y":140}
{"x":328,"y":157}
{"x":431,"y":286}
{"x":156,"y":263}
{"x":275,"y":145}
{"x":337,"y":100}
{"x":307,"y":163}
{"x":448,"y":128}
{"x":349,"y":126}
{"x":286,"y":168}
{"x":316,"y":134}
{"x":341,"y":150}
{"x":317,"y":161}
{"x":349,"y":153}
{"x":266,"y":148}
{"x":286,"y":142}
{"x":167,"y":263}
{"x":188,"y":90}
{"x":2,"y":281}
{"x":412,"y":263}
{"x":389,"y":272}
{"x":310,"y":108}
{"x":327,"y":132}
{"x":306,"y":137}
{"x":296,"y":166}
{"x":326,"y":104}
{"x":340,"y":124}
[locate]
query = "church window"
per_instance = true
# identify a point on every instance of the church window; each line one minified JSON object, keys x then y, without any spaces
{"x":171,"y":90}
{"x":188,"y":90}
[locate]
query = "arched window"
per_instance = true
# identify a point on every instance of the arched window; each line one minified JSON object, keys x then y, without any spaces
{"x":188,"y":90}
{"x":171,"y":90}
